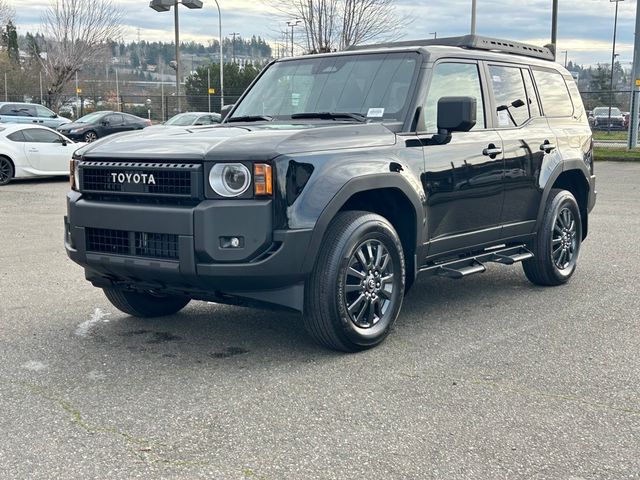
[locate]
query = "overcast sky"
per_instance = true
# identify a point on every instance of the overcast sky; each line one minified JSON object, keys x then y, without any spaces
{"x":585,"y":26}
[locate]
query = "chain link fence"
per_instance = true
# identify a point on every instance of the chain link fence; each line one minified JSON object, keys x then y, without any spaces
{"x":159,"y":108}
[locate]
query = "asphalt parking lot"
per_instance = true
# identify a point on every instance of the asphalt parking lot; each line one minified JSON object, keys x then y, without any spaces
{"x":484,"y":378}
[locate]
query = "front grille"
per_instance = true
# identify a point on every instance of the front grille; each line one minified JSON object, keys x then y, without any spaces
{"x":157,"y":245}
{"x":139,"y":244}
{"x":107,"y":241}
{"x":134,"y":178}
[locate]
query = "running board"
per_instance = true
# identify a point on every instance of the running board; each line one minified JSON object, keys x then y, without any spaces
{"x":463,"y":267}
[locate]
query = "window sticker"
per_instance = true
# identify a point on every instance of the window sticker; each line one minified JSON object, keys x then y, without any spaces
{"x":503,"y":119}
{"x":497,"y":79}
{"x":295,"y":99}
{"x":375,"y":113}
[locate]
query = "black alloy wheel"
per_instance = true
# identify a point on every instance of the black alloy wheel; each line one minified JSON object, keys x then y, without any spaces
{"x":6,"y":171}
{"x":355,"y":291}
{"x":564,"y":243}
{"x":557,"y":243}
{"x":369,"y":284}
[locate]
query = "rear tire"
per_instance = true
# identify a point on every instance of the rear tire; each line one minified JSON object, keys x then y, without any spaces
{"x":557,"y":244}
{"x":355,"y":291}
{"x":144,"y":305}
{"x":6,"y":171}
{"x":90,"y":136}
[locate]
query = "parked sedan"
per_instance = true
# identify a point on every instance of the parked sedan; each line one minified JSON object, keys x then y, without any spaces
{"x":189,"y":119}
{"x":31,"y":150}
{"x":30,"y":113}
{"x":100,"y":124}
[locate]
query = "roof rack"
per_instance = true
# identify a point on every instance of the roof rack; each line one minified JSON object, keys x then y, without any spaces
{"x":472,"y":42}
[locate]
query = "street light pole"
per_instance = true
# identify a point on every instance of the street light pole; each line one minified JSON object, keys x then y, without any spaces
{"x":177,"y":32}
{"x":554,"y":27}
{"x":292,"y":25}
{"x":473,"y":17}
{"x":165,"y":6}
{"x":613,"y":60}
{"x":221,"y":56}
{"x":634,"y":111}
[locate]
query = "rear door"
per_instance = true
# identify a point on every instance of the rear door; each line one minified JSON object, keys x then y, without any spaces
{"x":527,"y":141}
{"x":463,"y":178}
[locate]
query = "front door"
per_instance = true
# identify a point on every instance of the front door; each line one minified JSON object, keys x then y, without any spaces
{"x":463,"y":179}
{"x":46,"y":150}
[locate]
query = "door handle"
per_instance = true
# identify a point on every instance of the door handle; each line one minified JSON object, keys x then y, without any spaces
{"x":547,"y":147}
{"x":33,"y":150}
{"x":492,"y":151}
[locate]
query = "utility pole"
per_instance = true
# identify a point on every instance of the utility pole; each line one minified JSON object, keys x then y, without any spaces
{"x":233,"y":45}
{"x":554,"y":27}
{"x":634,"y":111}
{"x":435,"y":34}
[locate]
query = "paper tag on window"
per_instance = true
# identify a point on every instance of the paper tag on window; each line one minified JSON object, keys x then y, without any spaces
{"x":295,"y":99}
{"x":503,"y":118}
{"x":375,"y":113}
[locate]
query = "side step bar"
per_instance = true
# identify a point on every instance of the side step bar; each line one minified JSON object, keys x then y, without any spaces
{"x":463,"y":267}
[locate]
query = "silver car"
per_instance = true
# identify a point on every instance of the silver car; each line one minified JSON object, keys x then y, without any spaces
{"x":30,"y":113}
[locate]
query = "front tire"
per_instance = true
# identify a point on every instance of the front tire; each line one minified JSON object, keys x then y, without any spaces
{"x":355,"y":291}
{"x":6,"y":171}
{"x":144,"y":305}
{"x":557,"y":244}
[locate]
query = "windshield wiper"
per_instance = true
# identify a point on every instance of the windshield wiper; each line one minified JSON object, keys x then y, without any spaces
{"x":331,"y":115}
{"x":251,"y":118}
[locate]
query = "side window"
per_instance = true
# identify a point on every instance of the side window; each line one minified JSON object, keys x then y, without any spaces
{"x":453,"y":80}
{"x":8,"y":110}
{"x":44,"y":112}
{"x":114,"y":119}
{"x":17,"y":137}
{"x":25,"y":110}
{"x":510,"y":95}
{"x":38,"y":135}
{"x":556,"y":101}
{"x":534,"y":106}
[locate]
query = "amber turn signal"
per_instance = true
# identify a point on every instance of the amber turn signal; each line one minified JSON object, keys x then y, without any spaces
{"x":262,"y":179}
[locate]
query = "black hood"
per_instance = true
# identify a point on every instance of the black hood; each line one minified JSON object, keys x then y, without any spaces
{"x":226,"y":142}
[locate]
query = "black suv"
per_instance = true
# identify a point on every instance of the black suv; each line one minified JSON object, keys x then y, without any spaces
{"x":338,"y":178}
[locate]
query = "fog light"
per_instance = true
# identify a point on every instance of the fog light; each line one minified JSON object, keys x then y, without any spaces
{"x":231,"y":242}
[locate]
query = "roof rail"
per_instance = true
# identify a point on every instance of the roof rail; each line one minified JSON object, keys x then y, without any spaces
{"x":472,"y":42}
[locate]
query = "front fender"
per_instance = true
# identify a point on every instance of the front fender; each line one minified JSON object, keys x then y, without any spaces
{"x":392,"y":180}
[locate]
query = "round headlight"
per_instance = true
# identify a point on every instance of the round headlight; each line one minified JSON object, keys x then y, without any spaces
{"x":229,"y":179}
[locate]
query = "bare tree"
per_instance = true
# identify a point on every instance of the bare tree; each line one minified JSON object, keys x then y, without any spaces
{"x":76,"y":34}
{"x":6,"y":13}
{"x":338,"y":24}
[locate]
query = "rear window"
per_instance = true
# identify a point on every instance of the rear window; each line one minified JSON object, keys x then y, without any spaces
{"x":556,"y":101}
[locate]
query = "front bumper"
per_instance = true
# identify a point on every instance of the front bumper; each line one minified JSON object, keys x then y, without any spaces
{"x":76,"y":137}
{"x":267,"y":267}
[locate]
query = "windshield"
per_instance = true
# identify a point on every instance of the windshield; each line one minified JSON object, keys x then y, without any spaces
{"x":604,"y":111}
{"x":182,"y":119}
{"x":91,"y":118}
{"x":375,"y":86}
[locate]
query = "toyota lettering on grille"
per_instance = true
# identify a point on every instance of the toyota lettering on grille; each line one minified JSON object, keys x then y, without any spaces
{"x":135,"y":178}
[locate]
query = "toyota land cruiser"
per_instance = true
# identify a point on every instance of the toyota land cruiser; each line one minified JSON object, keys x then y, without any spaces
{"x":338,"y":178}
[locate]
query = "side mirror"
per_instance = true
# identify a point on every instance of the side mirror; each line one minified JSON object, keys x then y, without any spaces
{"x":456,"y":114}
{"x":225,"y":111}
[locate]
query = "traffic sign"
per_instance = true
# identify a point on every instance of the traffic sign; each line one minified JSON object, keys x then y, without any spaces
{"x":638,"y":82}
{"x":212,"y":91}
{"x":78,"y":90}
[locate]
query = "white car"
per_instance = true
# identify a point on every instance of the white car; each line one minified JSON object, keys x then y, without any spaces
{"x":31,"y":150}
